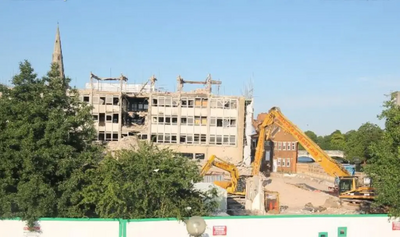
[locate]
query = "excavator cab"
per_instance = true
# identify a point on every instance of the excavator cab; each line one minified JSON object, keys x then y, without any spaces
{"x":347,"y":183}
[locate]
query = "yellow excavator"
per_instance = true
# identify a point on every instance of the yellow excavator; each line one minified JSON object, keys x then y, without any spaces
{"x":346,"y":185}
{"x":236,"y":185}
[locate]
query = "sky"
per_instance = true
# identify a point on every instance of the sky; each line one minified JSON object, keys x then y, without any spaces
{"x":327,"y":64}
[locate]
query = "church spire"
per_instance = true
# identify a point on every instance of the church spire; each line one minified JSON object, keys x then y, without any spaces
{"x":57,"y":53}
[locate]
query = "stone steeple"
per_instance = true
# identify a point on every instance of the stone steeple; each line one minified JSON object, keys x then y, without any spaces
{"x":57,"y":53}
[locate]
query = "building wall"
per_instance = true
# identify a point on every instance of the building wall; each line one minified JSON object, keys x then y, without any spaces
{"x":196,"y":125}
{"x":285,"y":151}
{"x":278,"y":225}
{"x":298,"y":226}
{"x":201,"y":126}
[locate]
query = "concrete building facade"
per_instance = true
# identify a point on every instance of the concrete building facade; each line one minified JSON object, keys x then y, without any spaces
{"x":196,"y":124}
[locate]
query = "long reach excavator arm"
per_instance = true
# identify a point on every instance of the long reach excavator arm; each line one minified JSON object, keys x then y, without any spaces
{"x":275,"y":116}
{"x":345,"y":184}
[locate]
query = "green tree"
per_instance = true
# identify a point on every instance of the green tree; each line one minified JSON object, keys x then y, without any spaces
{"x":358,"y":142}
{"x":337,"y":141}
{"x":45,"y":147}
{"x":384,"y":162}
{"x":147,"y":183}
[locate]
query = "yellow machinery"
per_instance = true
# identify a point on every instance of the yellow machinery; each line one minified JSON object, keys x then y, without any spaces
{"x":232,"y":187}
{"x":345,"y":184}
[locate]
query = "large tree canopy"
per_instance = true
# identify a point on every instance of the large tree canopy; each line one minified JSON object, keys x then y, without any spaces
{"x":45,"y":145}
{"x":358,"y":142}
{"x":384,"y":162}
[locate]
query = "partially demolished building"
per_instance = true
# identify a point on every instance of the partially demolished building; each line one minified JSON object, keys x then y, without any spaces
{"x":196,"y":123}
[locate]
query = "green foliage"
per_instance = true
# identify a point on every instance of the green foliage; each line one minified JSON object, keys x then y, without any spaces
{"x":384,"y":162}
{"x":358,"y":142}
{"x":146,"y":183}
{"x":337,"y":141}
{"x":45,"y":147}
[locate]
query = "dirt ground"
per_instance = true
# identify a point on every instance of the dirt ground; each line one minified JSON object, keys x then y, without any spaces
{"x":303,"y":195}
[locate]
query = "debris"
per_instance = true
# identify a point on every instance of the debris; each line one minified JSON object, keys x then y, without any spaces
{"x":331,"y":202}
{"x":130,"y":142}
{"x":310,"y":207}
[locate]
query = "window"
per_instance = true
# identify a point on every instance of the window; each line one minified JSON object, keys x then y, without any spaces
{"x":232,"y":140}
{"x":190,"y":121}
{"x":174,"y":120}
{"x":279,"y":145}
{"x":189,"y":139}
{"x":279,"y":162}
{"x":115,"y":101}
{"x":200,"y":120}
{"x":108,"y":136}
{"x":212,"y":139}
{"x":115,"y":118}
{"x":108,"y":118}
{"x":199,"y":156}
{"x":219,"y":140}
{"x":167,"y":138}
{"x":226,"y":140}
{"x":288,"y":146}
{"x":287,"y":162}
{"x":187,"y":155}
{"x":95,"y":117}
{"x":115,"y":137}
{"x":167,"y":120}
{"x":86,"y":99}
{"x":173,"y":138}
{"x":109,"y":100}
{"x":284,"y":146}
{"x":183,"y":120}
{"x":213,"y":122}
{"x":293,"y":146}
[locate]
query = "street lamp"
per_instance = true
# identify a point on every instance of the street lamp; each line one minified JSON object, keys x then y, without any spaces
{"x":196,"y":226}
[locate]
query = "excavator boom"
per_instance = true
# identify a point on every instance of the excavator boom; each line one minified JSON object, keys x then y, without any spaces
{"x":230,"y":186}
{"x":330,"y":166}
{"x":347,"y":184}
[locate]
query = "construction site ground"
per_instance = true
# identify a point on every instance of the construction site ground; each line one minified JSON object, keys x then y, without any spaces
{"x":300,"y":194}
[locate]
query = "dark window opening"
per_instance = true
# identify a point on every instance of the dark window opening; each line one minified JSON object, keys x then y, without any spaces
{"x":183,"y":120}
{"x":219,"y":122}
{"x":115,"y":137}
{"x":86,"y":99}
{"x":101,"y":136}
{"x":108,"y":118}
{"x":137,"y":104}
{"x":182,"y":139}
{"x":102,"y":100}
{"x":187,"y":155}
{"x":102,"y":119}
{"x":115,"y":118}
{"x":199,"y":156}
{"x":153,"y":138}
{"x":115,"y":101}
{"x":108,"y":136}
